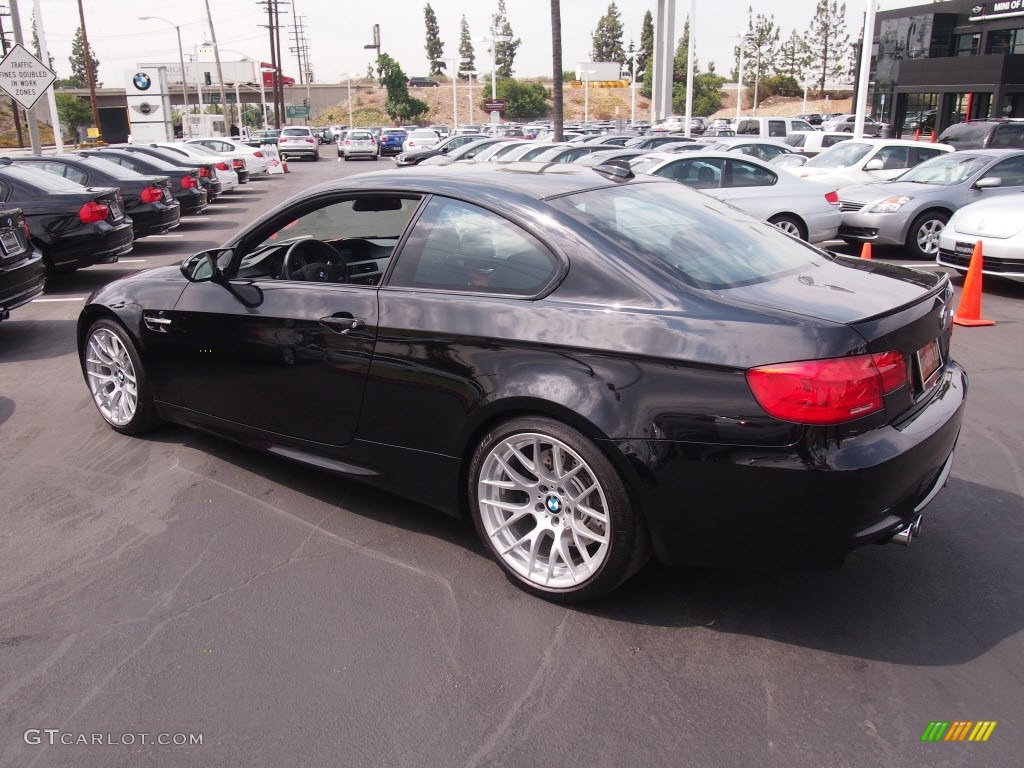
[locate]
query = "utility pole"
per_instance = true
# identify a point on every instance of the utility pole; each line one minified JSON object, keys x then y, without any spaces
{"x":14,"y":104}
{"x":216,"y":58}
{"x":88,"y":71}
{"x":277,"y":84}
{"x":30,"y":114}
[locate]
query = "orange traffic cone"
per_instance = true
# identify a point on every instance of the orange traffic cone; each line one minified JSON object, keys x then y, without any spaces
{"x":917,"y":135}
{"x":865,"y":251}
{"x":969,"y":311}
{"x":933,"y":137}
{"x":284,"y":164}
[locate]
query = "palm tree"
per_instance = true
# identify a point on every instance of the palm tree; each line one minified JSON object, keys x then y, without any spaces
{"x":556,"y":65}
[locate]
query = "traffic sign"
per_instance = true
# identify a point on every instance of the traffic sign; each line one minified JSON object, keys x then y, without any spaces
{"x":23,"y":77}
{"x":296,"y":111}
{"x":494,"y":105}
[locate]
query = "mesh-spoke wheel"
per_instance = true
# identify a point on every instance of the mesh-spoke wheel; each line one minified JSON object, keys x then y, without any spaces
{"x":553,"y":510}
{"x":116,"y":379}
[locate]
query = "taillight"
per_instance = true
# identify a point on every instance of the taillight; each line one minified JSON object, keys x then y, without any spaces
{"x":24,"y":226}
{"x":373,"y":141}
{"x":92,"y":212}
{"x":189,"y":182}
{"x":236,"y":163}
{"x":347,"y":142}
{"x":311,"y":141}
{"x":204,"y":172}
{"x":412,"y":143}
{"x":221,"y":165}
{"x":832,"y":197}
{"x":828,"y":391}
{"x":151,"y":195}
{"x":257,"y":153}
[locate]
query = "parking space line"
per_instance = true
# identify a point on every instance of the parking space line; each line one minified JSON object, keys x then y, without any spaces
{"x":71,"y":298}
{"x":154,"y":237}
{"x":130,"y":261}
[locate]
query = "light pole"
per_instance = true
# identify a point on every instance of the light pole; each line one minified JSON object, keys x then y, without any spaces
{"x":470,"y":74}
{"x":493,"y":41}
{"x":181,"y":58}
{"x":263,"y":94}
{"x":739,"y":81}
{"x":456,"y":63}
{"x":348,"y":77}
{"x":586,"y":92}
{"x":632,"y":86}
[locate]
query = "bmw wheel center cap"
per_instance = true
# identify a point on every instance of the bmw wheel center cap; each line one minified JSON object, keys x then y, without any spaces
{"x":554,"y":505}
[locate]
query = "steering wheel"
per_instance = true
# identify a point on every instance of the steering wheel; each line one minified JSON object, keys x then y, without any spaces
{"x":314,"y":261}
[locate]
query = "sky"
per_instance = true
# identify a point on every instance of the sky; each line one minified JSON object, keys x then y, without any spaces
{"x":337,"y":30}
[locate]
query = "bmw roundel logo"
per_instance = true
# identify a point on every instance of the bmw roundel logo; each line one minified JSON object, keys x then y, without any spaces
{"x":554,"y":505}
{"x":142,"y":81}
{"x":321,"y":274}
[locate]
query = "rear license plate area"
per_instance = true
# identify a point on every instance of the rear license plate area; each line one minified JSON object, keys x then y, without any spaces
{"x":10,"y":242}
{"x":928,"y":361}
{"x":116,"y":214}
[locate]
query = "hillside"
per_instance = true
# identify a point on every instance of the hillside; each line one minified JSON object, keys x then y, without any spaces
{"x":9,"y":137}
{"x":605,"y":104}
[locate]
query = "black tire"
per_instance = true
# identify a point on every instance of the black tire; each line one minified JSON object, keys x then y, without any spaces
{"x":926,"y":229}
{"x":144,"y":417}
{"x":553,"y":514}
{"x":789,"y":224}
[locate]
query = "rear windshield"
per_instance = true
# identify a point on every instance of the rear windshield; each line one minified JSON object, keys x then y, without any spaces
{"x":423,"y":135}
{"x":706,"y":243}
{"x":111,"y":169}
{"x":949,"y":168}
{"x":841,"y":155}
{"x":795,"y":139}
{"x":295,"y":132}
{"x":966,"y":135}
{"x":394,"y":132}
{"x":359,"y":135}
{"x":41,"y":179}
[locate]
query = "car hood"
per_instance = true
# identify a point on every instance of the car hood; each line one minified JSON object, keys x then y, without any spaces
{"x":997,"y":218}
{"x":884,"y":189}
{"x":846,"y":290}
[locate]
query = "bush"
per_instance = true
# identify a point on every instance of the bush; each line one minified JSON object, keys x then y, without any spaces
{"x":524,"y":100}
{"x":778,"y":85}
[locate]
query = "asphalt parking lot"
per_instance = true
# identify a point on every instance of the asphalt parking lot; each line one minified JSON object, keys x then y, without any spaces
{"x":182,"y":585}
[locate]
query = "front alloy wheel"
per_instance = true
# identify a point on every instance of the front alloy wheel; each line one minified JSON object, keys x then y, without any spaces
{"x":923,"y":241}
{"x":553,"y":510}
{"x":116,"y":379}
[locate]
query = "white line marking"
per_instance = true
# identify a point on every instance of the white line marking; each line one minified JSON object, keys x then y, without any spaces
{"x":130,"y":261}
{"x":154,"y":237}
{"x":73,"y":298}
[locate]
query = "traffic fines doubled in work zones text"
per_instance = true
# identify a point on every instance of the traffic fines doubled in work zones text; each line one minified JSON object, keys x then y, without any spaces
{"x":23,"y":77}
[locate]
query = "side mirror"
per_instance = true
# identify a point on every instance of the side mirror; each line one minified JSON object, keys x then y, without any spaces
{"x":988,"y":182}
{"x":202,"y":267}
{"x":875,"y":164}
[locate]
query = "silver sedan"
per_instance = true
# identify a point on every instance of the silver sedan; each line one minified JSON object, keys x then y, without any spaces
{"x":913,"y":209}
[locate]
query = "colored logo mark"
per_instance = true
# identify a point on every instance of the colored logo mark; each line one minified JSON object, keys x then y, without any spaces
{"x":142,"y":81}
{"x":959,"y":730}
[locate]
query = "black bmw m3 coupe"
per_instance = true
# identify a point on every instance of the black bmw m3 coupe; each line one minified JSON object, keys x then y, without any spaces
{"x":594,"y":369}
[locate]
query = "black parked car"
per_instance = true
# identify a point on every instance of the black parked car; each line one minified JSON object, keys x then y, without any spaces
{"x":258,"y":138}
{"x":985,"y":134}
{"x":207,"y":171}
{"x":148,"y":199}
{"x":591,"y":367}
{"x":423,"y":82}
{"x":185,"y":184}
{"x":415,"y":157}
{"x":22,"y":271}
{"x":74,"y":226}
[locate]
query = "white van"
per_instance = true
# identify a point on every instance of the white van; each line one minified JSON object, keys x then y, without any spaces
{"x":770,"y":127}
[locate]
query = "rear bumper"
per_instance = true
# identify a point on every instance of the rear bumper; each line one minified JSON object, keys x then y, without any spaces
{"x":154,"y":218}
{"x":823,"y":226}
{"x":92,"y":244}
{"x":193,"y":201}
{"x":305,"y":150}
{"x":21,"y":282}
{"x":804,"y":505}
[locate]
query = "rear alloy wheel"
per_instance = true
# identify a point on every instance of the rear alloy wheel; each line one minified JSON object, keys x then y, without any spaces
{"x":789,"y":224}
{"x":117,"y":380}
{"x":923,"y":237}
{"x":553,"y":510}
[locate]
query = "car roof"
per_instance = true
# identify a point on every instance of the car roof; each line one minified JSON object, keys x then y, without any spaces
{"x":485,"y":181}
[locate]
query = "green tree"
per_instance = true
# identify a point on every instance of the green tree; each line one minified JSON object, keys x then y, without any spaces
{"x":72,"y":113}
{"x":504,"y":52}
{"x":523,"y":101}
{"x":466,"y":52}
{"x":35,"y":42}
{"x":707,"y":96}
{"x":828,"y":42}
{"x":435,"y":48}
{"x":398,"y":104}
{"x":77,"y":59}
{"x":607,"y":38}
{"x":793,"y":58}
{"x":646,"y":43}
{"x":679,"y":63}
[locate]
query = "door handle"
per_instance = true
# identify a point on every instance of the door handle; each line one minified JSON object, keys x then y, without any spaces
{"x":343,"y":324}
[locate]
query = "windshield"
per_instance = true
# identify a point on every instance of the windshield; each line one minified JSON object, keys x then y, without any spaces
{"x":707,"y":243}
{"x":950,"y":168}
{"x":644,"y":164}
{"x":841,"y":155}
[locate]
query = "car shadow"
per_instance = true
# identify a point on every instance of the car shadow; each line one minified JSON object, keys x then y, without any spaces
{"x":84,"y":281}
{"x":949,"y":598}
{"x":6,"y":408}
{"x":22,"y":340}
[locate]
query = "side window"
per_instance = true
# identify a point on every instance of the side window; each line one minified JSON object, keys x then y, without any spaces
{"x":777,"y":129}
{"x":1009,"y":136}
{"x":800,"y":125}
{"x":749,"y":175}
{"x":828,"y":141}
{"x":768,"y":153}
{"x":76,"y":175}
{"x":1010,"y":171}
{"x":458,"y":246}
{"x":893,"y":158}
{"x":748,"y":127}
{"x":920,"y":154}
{"x":699,"y":174}
{"x":5,"y":191}
{"x":342,"y":241}
{"x":747,"y":149}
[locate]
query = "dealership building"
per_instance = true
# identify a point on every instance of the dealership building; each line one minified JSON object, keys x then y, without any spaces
{"x":940,"y":63}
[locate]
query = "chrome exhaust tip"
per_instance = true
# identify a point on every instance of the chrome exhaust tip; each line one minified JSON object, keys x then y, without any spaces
{"x":907,"y":534}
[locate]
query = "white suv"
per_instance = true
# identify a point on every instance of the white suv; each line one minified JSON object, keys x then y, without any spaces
{"x":298,"y":141}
